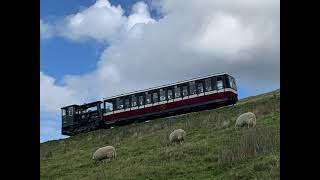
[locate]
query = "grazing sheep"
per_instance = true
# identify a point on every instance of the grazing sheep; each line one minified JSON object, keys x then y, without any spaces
{"x":247,"y":119}
{"x":177,"y":135}
{"x":106,"y":152}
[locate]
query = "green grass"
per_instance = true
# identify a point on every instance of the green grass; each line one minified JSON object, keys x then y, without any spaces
{"x":211,"y":150}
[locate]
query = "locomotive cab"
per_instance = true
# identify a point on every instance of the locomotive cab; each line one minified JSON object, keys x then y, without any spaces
{"x":81,"y":118}
{"x":67,"y":115}
{"x":68,"y":118}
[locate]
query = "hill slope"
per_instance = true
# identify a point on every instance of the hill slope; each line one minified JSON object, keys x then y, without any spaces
{"x":210,"y":151}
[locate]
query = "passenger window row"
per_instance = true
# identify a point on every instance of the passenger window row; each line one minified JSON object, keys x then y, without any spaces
{"x":168,"y":93}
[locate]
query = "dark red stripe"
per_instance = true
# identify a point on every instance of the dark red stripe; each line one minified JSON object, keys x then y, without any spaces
{"x":171,"y":105}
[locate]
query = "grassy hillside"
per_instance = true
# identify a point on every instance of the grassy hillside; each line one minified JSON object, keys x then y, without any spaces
{"x":210,"y":151}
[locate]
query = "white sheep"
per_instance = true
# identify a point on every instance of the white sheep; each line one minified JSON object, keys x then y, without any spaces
{"x":247,"y":119}
{"x":106,"y":152}
{"x":177,"y":135}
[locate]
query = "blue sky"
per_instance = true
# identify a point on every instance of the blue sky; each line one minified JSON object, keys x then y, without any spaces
{"x":91,"y":49}
{"x":59,"y":56}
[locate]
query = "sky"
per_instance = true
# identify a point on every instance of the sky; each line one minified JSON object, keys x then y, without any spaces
{"x":91,"y":49}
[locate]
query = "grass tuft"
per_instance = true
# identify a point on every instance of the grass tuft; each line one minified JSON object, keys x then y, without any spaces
{"x":255,"y":142}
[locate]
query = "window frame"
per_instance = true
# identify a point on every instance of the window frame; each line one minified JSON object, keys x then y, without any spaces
{"x":175,"y":88}
{"x":70,"y":111}
{"x":186,"y":88}
{"x":153,"y":98}
{"x":232,"y":82}
{"x":198,"y":85}
{"x":172,"y":96}
{"x":146,"y":97}
{"x":139,"y":102}
{"x":162,"y":93}
{"x":206,"y":83}
{"x":118,"y":103}
{"x":63,"y":112}
{"x":126,"y":106}
{"x":133,"y":96}
{"x":217,"y":83}
{"x":192,"y":88}
{"x":108,"y":105}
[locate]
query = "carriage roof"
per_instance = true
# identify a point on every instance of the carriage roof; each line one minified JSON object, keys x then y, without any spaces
{"x":163,"y":86}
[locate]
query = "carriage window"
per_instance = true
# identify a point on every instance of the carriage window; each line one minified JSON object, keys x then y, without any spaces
{"x":162,"y":94}
{"x":155,"y":97}
{"x":119,"y":103}
{"x":177,"y":92}
{"x":170,"y":94}
{"x":127,"y":103}
{"x":148,"y":98}
{"x":200,"y":87}
{"x":141,"y":103}
{"x":184,"y":91}
{"x":192,"y":86}
{"x":109,"y":107}
{"x":220,"y":84}
{"x":208,"y":84}
{"x":63,"y":112}
{"x":232,"y":83}
{"x":133,"y":101}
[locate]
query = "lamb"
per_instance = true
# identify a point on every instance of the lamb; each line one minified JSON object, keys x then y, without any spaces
{"x":106,"y":152}
{"x":177,"y":136}
{"x":247,"y":119}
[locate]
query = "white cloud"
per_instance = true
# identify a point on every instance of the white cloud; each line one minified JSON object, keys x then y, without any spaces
{"x":101,"y":21}
{"x":193,"y":38}
{"x":140,"y":14}
{"x":53,"y":96}
{"x":223,"y":35}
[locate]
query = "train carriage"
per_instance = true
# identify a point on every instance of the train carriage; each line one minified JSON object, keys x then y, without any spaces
{"x":185,"y":96}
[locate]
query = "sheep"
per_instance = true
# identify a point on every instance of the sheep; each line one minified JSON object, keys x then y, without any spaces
{"x":106,"y":152}
{"x":177,"y":135}
{"x":247,"y":119}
